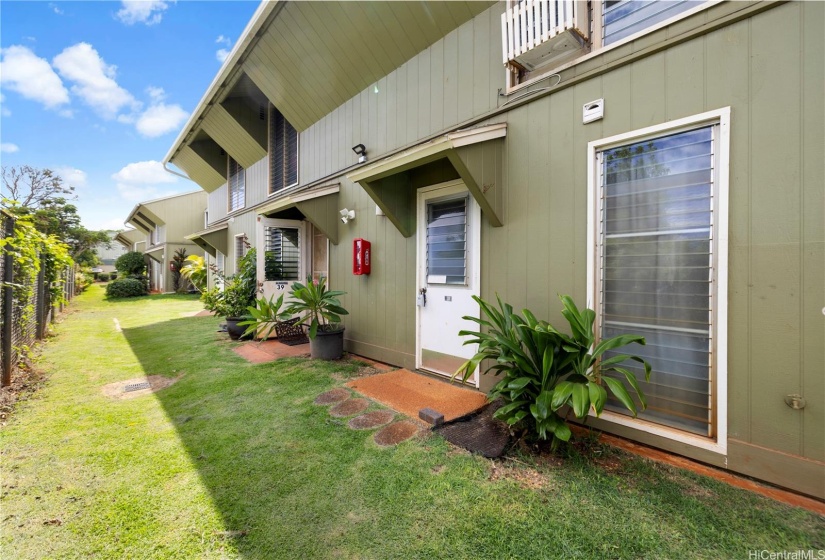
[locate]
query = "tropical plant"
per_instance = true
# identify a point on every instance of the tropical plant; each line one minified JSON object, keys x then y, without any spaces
{"x":321,"y":308}
{"x":175,"y":266}
{"x":265,"y":316}
{"x":194,"y":269}
{"x":544,"y":369}
{"x":239,"y":290}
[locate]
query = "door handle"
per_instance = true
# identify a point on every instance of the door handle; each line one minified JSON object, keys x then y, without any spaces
{"x":421,"y":300}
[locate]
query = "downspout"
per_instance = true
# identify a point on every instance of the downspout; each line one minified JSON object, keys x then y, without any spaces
{"x":173,"y":172}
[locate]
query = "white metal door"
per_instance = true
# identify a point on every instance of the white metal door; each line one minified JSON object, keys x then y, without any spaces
{"x":449,"y":236}
{"x":282,"y":254}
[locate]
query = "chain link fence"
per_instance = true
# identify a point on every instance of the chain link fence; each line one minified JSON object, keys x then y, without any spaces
{"x":20,"y":329}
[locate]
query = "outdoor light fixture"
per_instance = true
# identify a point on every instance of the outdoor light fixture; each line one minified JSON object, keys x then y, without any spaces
{"x":347,"y":215}
{"x":361,"y":151}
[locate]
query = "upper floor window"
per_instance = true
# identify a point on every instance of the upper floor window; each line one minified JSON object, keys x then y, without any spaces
{"x":236,"y":181}
{"x":283,"y":152}
{"x":538,"y":36}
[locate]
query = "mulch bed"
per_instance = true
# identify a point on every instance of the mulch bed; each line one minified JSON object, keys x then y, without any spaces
{"x":396,"y":433}
{"x":371,"y":420}
{"x":479,"y":433}
{"x":349,"y":407}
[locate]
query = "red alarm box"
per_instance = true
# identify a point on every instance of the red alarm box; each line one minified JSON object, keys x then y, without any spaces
{"x":360,"y":256}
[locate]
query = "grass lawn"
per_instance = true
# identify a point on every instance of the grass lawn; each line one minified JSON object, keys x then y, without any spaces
{"x":234,"y":460}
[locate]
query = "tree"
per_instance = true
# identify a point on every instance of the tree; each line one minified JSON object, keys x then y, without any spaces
{"x":30,"y":187}
{"x":131,"y":264}
{"x":41,"y":194}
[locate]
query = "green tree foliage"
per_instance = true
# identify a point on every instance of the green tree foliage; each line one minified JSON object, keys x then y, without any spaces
{"x":176,"y":267}
{"x":131,"y":264}
{"x":43,"y":196}
{"x":194,"y":270}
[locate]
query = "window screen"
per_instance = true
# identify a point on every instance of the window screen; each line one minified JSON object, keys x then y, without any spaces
{"x":447,"y":242}
{"x":623,"y":18}
{"x":282,"y":254}
{"x":656,"y":269}
{"x":283,"y":152}
{"x":237,"y":185}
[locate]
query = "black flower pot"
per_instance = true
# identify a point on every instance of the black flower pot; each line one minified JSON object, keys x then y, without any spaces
{"x":327,"y":345}
{"x":235,"y":331}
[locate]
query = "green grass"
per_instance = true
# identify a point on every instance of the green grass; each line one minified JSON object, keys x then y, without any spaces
{"x":234,"y":460}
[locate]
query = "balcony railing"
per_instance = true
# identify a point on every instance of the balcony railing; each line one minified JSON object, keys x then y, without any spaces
{"x":536,"y":32}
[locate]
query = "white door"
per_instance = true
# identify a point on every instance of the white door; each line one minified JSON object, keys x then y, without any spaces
{"x":281,"y":254}
{"x":449,"y":236}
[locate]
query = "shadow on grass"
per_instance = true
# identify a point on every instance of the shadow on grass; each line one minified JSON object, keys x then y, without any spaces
{"x":267,"y":455}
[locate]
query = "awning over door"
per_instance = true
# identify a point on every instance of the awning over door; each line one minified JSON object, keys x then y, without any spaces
{"x":319,"y":206}
{"x":156,"y":253}
{"x":475,"y":156}
{"x":212,"y":239}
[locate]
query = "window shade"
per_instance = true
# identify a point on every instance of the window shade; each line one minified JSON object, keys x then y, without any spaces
{"x":656,"y":269}
{"x":282,"y":254}
{"x":623,"y":18}
{"x":283,"y":152}
{"x":237,"y":185}
{"x":447,"y":242}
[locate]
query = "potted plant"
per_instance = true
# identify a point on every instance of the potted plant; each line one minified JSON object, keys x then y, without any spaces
{"x":238,"y":294}
{"x":264,"y":317}
{"x":322,"y":313}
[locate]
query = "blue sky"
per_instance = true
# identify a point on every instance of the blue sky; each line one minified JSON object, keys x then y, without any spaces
{"x":98,"y":91}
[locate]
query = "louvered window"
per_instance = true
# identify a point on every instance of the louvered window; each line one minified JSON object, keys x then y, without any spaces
{"x":240,"y":250}
{"x":282,"y":254}
{"x":220,"y":262}
{"x":657,"y":272}
{"x":447,"y":242}
{"x":283,"y":152}
{"x":237,"y":185}
{"x":623,"y":18}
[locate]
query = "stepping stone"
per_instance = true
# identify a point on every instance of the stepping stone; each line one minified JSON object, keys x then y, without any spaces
{"x":332,"y":397}
{"x":395,"y":433}
{"x":349,"y":407}
{"x":371,"y":420}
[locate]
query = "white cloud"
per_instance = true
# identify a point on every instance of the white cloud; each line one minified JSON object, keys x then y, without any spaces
{"x":222,"y":55}
{"x":160,"y":119}
{"x":9,"y":148}
{"x":149,"y":12}
{"x":223,"y":40}
{"x":156,"y":94}
{"x":94,"y":80}
{"x":31,"y":76}
{"x":140,"y":181}
{"x":66,"y":113}
{"x":55,"y":9}
{"x":72,"y":176}
{"x":3,"y":109}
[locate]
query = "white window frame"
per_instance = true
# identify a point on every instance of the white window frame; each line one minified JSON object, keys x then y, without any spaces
{"x":270,"y":191}
{"x":719,"y":197}
{"x":229,"y":209}
{"x":238,"y":257}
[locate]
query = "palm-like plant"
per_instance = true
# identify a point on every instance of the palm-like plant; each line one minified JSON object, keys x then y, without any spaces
{"x":265,"y":316}
{"x":321,"y":308}
{"x":544,"y":369}
{"x":194,"y":270}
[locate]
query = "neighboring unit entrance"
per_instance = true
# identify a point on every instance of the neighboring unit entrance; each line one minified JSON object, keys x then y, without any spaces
{"x":281,"y":254}
{"x":449,"y":237}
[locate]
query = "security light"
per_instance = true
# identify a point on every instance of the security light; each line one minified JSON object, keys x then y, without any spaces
{"x":347,"y":215}
{"x":361,"y":151}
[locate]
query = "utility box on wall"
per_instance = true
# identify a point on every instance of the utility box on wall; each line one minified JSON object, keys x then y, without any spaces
{"x":361,"y":256}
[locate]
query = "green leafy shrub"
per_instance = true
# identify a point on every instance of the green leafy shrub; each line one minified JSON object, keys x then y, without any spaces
{"x":545,"y":370}
{"x":320,"y":306}
{"x":194,"y":270}
{"x":126,"y":287}
{"x":240,"y":291}
{"x":265,"y":316}
{"x":113,"y":275}
{"x":104,"y":277}
{"x":132,"y":262}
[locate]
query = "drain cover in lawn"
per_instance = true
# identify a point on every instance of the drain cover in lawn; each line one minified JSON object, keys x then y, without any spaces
{"x":480,"y":433}
{"x":395,"y":433}
{"x":136,"y":387}
{"x":349,"y":407}
{"x":371,"y":420}
{"x":332,"y":397}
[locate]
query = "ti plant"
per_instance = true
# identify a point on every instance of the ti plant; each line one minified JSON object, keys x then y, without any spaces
{"x":265,"y":317}
{"x":544,"y":370}
{"x":321,"y":308}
